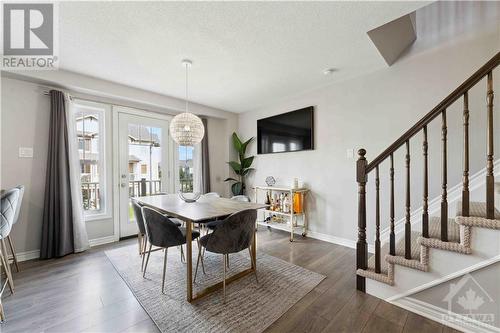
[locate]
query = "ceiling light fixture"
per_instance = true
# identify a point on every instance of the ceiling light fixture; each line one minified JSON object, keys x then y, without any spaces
{"x":329,"y":71}
{"x":186,"y":128}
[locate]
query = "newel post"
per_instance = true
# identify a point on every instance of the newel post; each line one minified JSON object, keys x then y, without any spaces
{"x":361,"y":245}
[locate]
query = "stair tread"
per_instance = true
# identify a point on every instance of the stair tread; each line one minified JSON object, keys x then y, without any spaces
{"x":434,"y":232}
{"x":400,"y":251}
{"x":476,"y":209}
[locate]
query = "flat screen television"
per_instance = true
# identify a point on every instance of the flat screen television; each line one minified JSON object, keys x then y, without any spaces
{"x":291,"y":131}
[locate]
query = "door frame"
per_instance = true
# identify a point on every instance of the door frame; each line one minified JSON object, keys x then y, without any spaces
{"x":116,"y":111}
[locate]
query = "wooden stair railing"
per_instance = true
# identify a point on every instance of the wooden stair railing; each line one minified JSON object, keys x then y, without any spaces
{"x":363,"y":168}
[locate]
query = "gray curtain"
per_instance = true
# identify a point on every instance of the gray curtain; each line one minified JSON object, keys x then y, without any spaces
{"x":205,"y":165}
{"x":57,"y":228}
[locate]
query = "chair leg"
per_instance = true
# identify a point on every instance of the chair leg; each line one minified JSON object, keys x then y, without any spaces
{"x":144,"y":247}
{"x":201,"y":258}
{"x":147,"y":260}
{"x":183,"y":259}
{"x":197,"y":262}
{"x":139,"y":241}
{"x":5,"y":263}
{"x":164,"y":270}
{"x":2,"y":314}
{"x":224,"y":280}
{"x":11,"y":245}
{"x":206,"y":233}
{"x":254,"y":264}
{"x":227,"y":260}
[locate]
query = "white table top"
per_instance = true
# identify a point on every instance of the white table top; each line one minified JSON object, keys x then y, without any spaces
{"x":203,"y":209}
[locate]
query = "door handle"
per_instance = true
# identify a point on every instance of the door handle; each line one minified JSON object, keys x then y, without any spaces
{"x":123,"y":185}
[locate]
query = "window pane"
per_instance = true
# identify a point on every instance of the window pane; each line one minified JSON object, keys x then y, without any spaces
{"x":87,"y":129}
{"x":144,"y":149}
{"x":186,"y":168}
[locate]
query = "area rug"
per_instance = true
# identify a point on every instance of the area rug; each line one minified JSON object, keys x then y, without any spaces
{"x":249,"y":307}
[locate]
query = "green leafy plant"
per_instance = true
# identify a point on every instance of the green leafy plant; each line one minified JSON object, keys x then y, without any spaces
{"x":241,"y":168}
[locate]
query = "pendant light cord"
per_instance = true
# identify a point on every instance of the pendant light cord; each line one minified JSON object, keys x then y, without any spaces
{"x":187,"y":87}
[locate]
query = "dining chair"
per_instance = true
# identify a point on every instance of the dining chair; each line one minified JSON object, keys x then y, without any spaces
{"x":211,"y":195}
{"x":233,"y":235}
{"x":242,"y":198}
{"x":210,"y":226}
{"x":141,"y":235}
{"x":16,"y":219}
{"x":213,"y":224}
{"x":9,"y":204}
{"x":163,"y":233}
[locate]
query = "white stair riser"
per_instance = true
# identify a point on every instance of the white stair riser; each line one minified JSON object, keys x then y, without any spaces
{"x":485,"y":245}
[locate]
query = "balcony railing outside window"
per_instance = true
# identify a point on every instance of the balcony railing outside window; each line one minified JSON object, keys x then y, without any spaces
{"x":92,"y":195}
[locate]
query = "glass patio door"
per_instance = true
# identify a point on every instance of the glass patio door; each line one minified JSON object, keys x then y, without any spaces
{"x":144,"y":163}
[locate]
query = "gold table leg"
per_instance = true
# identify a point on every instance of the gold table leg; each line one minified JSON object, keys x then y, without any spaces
{"x":189,"y":261}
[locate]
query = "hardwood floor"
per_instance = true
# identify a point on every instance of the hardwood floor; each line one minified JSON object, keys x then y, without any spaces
{"x":84,"y":293}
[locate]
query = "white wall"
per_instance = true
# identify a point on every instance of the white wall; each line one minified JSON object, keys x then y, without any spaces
{"x":371,"y":112}
{"x":25,"y":113}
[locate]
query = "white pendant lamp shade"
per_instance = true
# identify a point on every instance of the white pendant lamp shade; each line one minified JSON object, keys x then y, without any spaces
{"x":187,"y":129}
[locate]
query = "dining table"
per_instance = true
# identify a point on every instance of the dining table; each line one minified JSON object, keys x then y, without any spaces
{"x":202,"y":210}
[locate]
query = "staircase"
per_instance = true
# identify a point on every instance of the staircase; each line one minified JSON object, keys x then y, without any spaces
{"x":413,"y":249}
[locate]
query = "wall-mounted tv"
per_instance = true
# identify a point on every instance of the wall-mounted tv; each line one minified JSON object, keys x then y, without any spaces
{"x":291,"y":131}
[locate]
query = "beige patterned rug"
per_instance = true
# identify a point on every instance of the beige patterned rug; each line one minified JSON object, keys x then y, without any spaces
{"x":250,"y":306}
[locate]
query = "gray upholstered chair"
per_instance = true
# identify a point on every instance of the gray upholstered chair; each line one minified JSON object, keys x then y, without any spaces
{"x":213,"y":224}
{"x":163,"y":233}
{"x":16,"y":218}
{"x":234,"y":234}
{"x":141,"y":235}
{"x":10,"y":201}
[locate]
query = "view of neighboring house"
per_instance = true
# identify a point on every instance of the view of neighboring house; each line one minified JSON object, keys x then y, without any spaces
{"x":144,"y":145}
{"x":87,"y":129}
{"x":144,"y":152}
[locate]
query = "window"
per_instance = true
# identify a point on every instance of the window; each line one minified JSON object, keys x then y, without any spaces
{"x":89,"y":121}
{"x":131,"y":168}
{"x":144,"y":169}
{"x":186,"y":168}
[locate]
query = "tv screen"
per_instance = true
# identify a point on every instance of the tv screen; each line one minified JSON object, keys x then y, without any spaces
{"x":291,"y":131}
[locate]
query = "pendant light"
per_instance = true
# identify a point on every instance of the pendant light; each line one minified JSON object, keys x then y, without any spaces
{"x":186,"y":128}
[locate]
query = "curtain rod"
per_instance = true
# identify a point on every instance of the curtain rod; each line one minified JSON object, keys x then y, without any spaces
{"x":47,"y":93}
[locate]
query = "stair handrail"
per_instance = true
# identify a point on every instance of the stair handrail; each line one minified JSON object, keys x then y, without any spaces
{"x":445,"y":103}
{"x":363,"y":168}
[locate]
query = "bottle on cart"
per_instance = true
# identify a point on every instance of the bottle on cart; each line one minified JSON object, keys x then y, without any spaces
{"x":286,"y":204}
{"x":268,"y":198}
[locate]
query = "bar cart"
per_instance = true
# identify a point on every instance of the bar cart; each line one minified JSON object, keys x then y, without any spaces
{"x":291,"y":220}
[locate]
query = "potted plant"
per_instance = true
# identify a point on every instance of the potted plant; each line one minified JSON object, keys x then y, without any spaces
{"x":241,"y":168}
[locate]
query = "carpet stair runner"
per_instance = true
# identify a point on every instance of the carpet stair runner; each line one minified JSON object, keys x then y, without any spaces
{"x":459,"y":240}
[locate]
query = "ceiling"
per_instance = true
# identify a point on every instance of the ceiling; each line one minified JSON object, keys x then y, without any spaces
{"x":245,"y":54}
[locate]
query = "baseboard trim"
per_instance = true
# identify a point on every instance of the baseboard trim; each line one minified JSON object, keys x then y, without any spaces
{"x":103,"y":240}
{"x":438,"y":314}
{"x":337,"y":240}
{"x":27,"y":255}
{"x":35,"y":254}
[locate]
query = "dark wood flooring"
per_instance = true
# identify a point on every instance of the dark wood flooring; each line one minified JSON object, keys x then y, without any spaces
{"x":84,"y":293}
